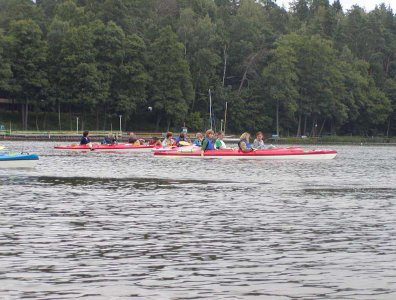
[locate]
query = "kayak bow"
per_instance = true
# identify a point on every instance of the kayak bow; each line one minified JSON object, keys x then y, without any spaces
{"x":18,"y":160}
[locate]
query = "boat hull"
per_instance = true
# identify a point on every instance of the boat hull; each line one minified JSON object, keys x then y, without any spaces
{"x":100,"y":147}
{"x":18,"y":160}
{"x":277,"y":153}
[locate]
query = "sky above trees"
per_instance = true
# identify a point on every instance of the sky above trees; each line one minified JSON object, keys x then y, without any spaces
{"x":347,"y":4}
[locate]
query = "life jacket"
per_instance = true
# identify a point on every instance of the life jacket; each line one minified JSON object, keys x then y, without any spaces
{"x":248,"y":145}
{"x":181,"y":141}
{"x":197,"y":143}
{"x":209,"y":146}
{"x":108,"y":141}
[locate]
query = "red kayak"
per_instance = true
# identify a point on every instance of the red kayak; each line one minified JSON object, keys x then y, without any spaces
{"x":275,"y":153}
{"x":97,"y":146}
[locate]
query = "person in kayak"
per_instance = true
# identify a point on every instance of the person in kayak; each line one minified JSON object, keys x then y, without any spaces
{"x":132,"y":139}
{"x":155,"y":142}
{"x":244,"y":144}
{"x":207,"y":143}
{"x":198,"y":139}
{"x":85,"y":140}
{"x":182,"y":140}
{"x":219,"y":142}
{"x":168,"y":141}
{"x":109,"y":139}
{"x":259,"y":141}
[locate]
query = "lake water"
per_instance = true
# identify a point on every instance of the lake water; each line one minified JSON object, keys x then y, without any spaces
{"x":132,"y":226}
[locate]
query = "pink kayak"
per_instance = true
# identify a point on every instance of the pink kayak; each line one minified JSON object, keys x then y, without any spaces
{"x":275,"y":153}
{"x":96,"y":146}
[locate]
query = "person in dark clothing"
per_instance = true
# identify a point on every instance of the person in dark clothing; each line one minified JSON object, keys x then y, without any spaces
{"x":182,"y":140}
{"x":85,"y":140}
{"x":109,"y":140}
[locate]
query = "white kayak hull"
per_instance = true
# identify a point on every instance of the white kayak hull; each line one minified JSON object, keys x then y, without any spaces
{"x":15,"y":160}
{"x":13,"y":164}
{"x":292,"y":153}
{"x":269,"y":157}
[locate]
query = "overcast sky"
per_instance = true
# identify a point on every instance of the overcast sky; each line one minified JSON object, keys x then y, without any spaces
{"x":346,"y":4}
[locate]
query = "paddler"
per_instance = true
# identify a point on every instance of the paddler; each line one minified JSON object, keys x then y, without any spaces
{"x":155,"y":142}
{"x":244,"y":144}
{"x":198,"y":139}
{"x":132,"y":139}
{"x":182,"y":140}
{"x":85,"y":140}
{"x":109,"y":140}
{"x":259,"y":141}
{"x":219,"y":144}
{"x":207,"y":143}
{"x":168,"y":141}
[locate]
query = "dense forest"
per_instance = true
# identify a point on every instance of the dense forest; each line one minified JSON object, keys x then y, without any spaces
{"x":316,"y":68}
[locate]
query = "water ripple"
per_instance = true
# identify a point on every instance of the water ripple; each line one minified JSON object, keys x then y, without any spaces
{"x":132,"y":226}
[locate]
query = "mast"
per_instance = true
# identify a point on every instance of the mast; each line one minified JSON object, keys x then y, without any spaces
{"x":210,"y":110}
{"x":277,"y":118}
{"x":225,"y":117}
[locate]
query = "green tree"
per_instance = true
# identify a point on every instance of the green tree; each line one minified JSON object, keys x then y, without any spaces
{"x":27,"y":52}
{"x":280,"y":80}
{"x":250,"y":33}
{"x":5,"y":70}
{"x":202,"y":50}
{"x":58,"y":92}
{"x":355,"y":32}
{"x":171,"y":90}
{"x":390,"y":90}
{"x":16,"y":10}
{"x":128,"y":89}
{"x":109,"y":54}
{"x":300,"y":9}
{"x":80,"y":80}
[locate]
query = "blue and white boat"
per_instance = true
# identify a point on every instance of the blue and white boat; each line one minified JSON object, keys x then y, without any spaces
{"x":18,"y":160}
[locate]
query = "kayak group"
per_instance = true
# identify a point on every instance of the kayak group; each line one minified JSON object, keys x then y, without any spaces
{"x":203,"y":145}
{"x":208,"y":145}
{"x":209,"y":142}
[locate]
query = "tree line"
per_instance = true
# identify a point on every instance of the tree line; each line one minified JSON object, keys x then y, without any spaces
{"x":311,"y":70}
